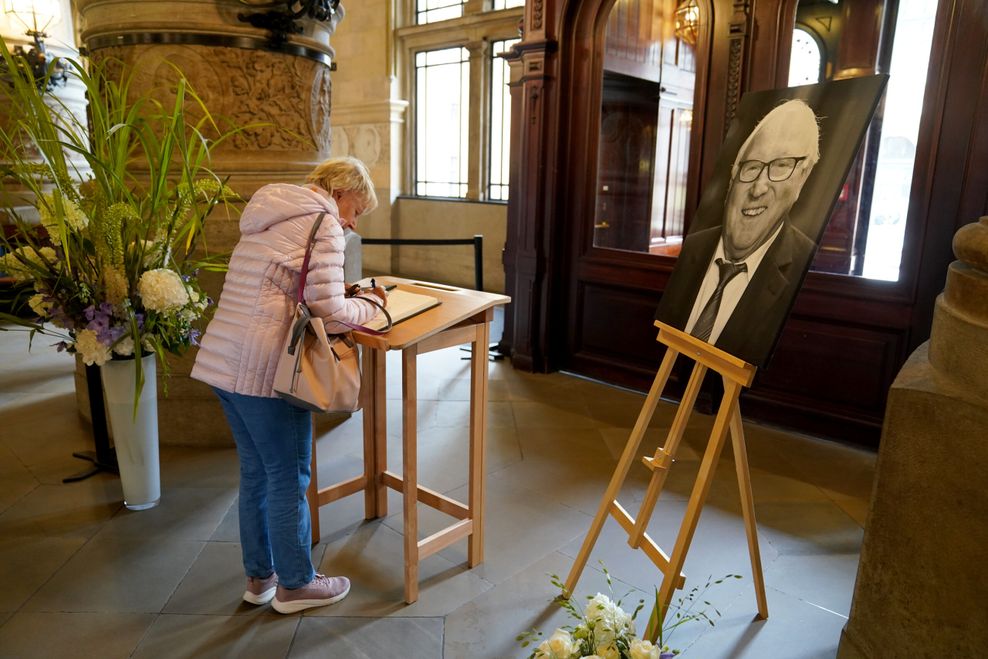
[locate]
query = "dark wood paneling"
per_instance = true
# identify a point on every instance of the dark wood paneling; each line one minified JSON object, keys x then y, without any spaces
{"x":852,"y":364}
{"x":631,"y":339}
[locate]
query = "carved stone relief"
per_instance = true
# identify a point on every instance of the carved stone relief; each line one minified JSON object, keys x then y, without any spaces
{"x":285,"y":100}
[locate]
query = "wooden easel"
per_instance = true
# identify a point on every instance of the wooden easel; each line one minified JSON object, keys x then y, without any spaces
{"x":736,"y":374}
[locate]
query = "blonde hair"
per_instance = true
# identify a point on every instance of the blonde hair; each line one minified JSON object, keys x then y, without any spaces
{"x":345,"y":174}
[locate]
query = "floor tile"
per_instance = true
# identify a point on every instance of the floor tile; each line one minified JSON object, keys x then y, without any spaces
{"x":363,"y":638}
{"x":373,"y":558}
{"x":185,"y":513}
{"x":27,"y":562}
{"x":261,"y":635}
{"x":82,"y":635}
{"x":120,"y":574}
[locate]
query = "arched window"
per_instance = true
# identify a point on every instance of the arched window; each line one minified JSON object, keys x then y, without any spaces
{"x":806,"y":59}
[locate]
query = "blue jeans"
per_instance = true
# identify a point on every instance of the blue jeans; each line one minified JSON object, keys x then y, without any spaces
{"x":274,"y":442}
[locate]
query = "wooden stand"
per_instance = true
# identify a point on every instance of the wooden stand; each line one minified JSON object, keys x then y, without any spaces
{"x":736,"y":374}
{"x":464,"y":316}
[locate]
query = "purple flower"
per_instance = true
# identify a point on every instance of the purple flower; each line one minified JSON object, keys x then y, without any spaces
{"x":62,"y":346}
{"x":61,"y":319}
{"x":194,"y":335}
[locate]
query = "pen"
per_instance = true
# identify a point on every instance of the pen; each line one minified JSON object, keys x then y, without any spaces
{"x":373,"y":283}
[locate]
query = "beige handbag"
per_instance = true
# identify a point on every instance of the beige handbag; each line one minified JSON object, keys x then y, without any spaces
{"x":317,"y":371}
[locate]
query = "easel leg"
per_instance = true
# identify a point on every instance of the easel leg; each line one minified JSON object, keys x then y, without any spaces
{"x":410,"y":471}
{"x":621,"y":471}
{"x":478,"y":423}
{"x":748,"y":507}
{"x":697,"y":498}
{"x":312,"y":493}
{"x":375,"y":433}
{"x":664,"y":455}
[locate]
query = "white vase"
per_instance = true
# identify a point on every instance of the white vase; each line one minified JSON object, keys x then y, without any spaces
{"x":135,"y":438}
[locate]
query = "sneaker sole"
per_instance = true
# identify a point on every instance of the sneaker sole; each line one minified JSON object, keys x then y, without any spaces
{"x":294,"y":606}
{"x":262,"y":598}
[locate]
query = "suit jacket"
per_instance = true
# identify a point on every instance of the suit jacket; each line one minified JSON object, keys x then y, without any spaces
{"x":752,"y":330}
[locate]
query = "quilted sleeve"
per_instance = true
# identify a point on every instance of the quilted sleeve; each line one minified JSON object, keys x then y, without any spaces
{"x":324,"y":287}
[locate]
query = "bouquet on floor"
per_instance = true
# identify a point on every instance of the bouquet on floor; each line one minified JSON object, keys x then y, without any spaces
{"x":105,"y":214}
{"x":605,"y":631}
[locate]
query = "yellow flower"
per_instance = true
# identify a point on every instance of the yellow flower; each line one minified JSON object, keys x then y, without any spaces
{"x":14,"y":262}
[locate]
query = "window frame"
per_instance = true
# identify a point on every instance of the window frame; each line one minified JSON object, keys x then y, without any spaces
{"x":476,"y":30}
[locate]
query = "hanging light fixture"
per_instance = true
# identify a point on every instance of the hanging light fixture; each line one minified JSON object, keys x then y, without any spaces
{"x":687,"y":19}
{"x":36,"y":16}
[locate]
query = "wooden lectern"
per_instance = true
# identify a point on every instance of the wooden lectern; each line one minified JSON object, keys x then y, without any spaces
{"x":463,"y":316}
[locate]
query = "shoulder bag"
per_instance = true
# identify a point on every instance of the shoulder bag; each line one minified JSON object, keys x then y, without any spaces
{"x":317,"y":371}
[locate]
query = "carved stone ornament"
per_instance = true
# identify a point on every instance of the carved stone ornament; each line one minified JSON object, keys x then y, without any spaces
{"x":286,"y":99}
{"x":537,"y":15}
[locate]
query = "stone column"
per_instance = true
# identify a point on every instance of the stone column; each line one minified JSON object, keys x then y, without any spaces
{"x":284,"y":91}
{"x":921,"y":586}
{"x":369,"y":115}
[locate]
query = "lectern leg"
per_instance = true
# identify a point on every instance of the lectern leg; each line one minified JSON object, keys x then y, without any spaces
{"x":409,"y":398}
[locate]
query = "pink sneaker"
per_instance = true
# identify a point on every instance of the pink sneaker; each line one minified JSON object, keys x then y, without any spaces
{"x":320,"y":591}
{"x":261,"y":591}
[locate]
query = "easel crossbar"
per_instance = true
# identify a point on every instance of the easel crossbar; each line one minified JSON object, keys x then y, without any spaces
{"x":652,"y":550}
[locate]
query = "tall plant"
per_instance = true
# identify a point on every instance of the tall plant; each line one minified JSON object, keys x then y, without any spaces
{"x":122,"y":198}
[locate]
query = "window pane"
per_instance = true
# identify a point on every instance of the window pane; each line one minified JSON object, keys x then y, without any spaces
{"x":431,"y":11}
{"x":900,"y":130}
{"x":442,"y":91}
{"x":500,"y":137}
{"x":805,"y":61}
{"x":508,"y":4}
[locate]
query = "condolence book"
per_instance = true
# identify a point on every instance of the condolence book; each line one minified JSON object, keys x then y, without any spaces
{"x":402,"y":305}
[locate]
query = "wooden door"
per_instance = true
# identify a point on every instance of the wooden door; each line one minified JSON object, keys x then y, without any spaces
{"x":643,"y":123}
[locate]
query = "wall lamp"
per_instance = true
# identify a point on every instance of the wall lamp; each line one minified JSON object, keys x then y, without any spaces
{"x":36,"y":16}
{"x":687,"y":21}
{"x":281,"y":18}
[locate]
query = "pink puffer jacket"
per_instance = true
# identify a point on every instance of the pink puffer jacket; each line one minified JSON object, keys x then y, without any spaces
{"x":239,"y":351}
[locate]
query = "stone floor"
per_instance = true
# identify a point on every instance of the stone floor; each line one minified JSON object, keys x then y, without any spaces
{"x":84,"y":577}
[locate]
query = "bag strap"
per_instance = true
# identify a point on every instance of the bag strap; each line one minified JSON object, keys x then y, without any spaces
{"x":367,"y":330}
{"x":300,"y":296}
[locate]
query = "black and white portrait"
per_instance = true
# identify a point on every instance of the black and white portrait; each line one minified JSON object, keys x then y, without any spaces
{"x":756,"y":230}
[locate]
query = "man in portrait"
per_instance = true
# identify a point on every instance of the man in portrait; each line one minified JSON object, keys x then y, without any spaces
{"x":736,"y":281}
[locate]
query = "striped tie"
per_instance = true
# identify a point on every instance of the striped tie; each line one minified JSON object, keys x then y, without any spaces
{"x":705,"y":323}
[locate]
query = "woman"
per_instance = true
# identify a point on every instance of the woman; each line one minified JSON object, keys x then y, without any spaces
{"x":239,"y":355}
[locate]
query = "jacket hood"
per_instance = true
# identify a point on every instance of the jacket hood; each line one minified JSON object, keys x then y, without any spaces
{"x":278,"y":202}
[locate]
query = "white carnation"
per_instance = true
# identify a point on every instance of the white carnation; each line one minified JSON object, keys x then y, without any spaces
{"x":609,"y":651}
{"x":558,"y":646}
{"x":642,"y":649}
{"x":90,"y":348}
{"x":124,"y":347}
{"x":162,"y":290}
{"x":607,"y":619}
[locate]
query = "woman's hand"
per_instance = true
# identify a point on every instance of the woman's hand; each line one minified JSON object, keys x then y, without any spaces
{"x":381,"y":293}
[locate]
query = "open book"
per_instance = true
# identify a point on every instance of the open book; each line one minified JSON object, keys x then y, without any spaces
{"x":402,"y":305}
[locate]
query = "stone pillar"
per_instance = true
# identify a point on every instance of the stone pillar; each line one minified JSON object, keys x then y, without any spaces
{"x":369,"y":115}
{"x":921,"y":585}
{"x":284,"y":92}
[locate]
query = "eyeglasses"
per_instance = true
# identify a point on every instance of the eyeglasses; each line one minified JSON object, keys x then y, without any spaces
{"x":779,"y":169}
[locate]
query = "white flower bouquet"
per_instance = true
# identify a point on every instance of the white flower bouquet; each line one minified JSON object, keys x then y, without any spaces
{"x":108,"y":263}
{"x":606,"y":631}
